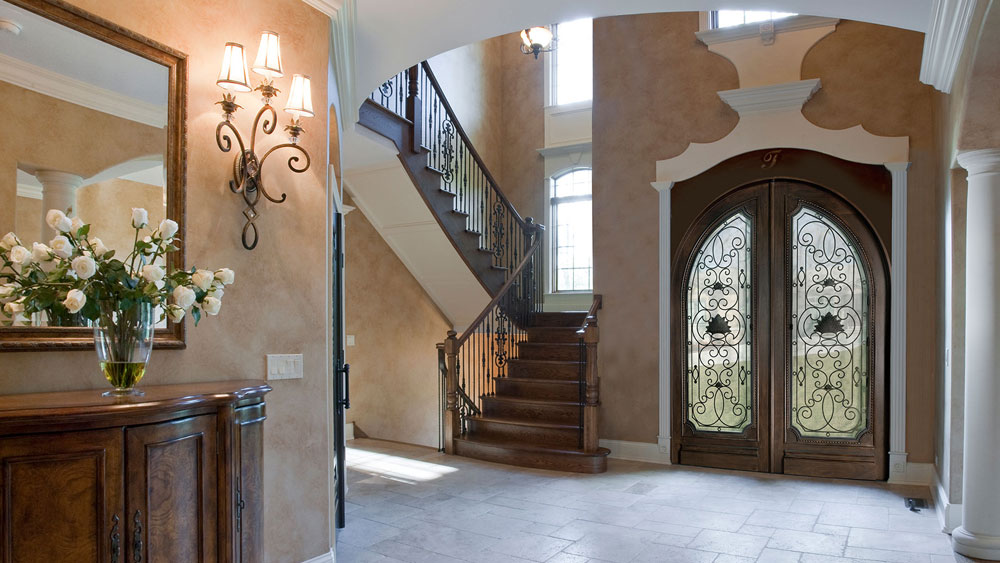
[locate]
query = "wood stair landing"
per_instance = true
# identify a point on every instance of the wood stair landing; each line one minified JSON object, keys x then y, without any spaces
{"x":534,"y":418}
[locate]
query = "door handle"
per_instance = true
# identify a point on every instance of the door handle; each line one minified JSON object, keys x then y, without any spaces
{"x":346,"y":401}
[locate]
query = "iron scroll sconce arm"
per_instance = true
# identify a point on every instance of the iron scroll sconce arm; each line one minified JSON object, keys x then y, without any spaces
{"x":247,"y":166}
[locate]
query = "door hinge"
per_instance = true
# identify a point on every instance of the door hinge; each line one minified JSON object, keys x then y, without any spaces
{"x":240,"y":505}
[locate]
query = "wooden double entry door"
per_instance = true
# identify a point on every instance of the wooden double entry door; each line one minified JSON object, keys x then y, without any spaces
{"x":779,"y":317}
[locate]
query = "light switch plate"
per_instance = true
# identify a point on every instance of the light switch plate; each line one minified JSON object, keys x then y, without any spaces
{"x":350,"y":340}
{"x":284,"y":366}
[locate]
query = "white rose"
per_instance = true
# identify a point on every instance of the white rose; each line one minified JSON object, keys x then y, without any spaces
{"x":77,"y":224}
{"x":14,"y":307}
{"x":84,"y":266}
{"x":216,"y":291}
{"x":183,"y":296}
{"x":61,"y":247}
{"x":175,"y":313}
{"x":20,"y":255}
{"x":40,"y":252}
{"x":98,"y":246}
{"x":152,"y":273}
{"x":58,"y":221}
{"x":168,"y":229}
{"x":211,"y":305}
{"x":9,"y":241}
{"x":75,"y":300}
{"x":226,"y":276}
{"x":140,"y":218}
{"x":202,"y":279}
{"x":7,"y":291}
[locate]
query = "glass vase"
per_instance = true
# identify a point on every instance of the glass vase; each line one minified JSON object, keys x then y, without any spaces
{"x":124,"y":340}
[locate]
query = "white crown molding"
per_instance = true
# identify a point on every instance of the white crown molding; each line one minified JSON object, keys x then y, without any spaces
{"x":31,"y":192}
{"x":775,"y":97}
{"x":561,"y":150}
{"x":944,"y":42}
{"x":636,"y":451}
{"x":750,"y":30}
{"x":326,"y":6}
{"x":77,"y":92}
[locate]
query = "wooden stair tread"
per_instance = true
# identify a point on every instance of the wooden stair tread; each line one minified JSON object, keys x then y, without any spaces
{"x":537,"y":380}
{"x":546,"y":362}
{"x":540,"y":344}
{"x":526,"y":422}
{"x":522,"y":446}
{"x":543,"y":402}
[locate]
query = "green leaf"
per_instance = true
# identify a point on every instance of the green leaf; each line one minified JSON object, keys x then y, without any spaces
{"x":196,"y":313}
{"x":83,"y":231}
{"x":91,"y":310}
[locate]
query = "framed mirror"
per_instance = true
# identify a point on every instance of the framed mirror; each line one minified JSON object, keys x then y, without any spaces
{"x":94,"y":126}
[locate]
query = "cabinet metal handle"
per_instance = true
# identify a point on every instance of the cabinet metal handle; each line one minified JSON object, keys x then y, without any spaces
{"x":137,"y":538}
{"x":115,"y":539}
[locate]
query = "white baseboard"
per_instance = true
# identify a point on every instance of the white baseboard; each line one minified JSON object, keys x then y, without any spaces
{"x":637,"y":451}
{"x":328,"y":557}
{"x":915,"y":474}
{"x":349,"y":431}
{"x":949,"y":515}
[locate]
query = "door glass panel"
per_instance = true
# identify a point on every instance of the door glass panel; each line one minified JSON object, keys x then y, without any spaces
{"x":719,"y":358}
{"x":830,"y":302}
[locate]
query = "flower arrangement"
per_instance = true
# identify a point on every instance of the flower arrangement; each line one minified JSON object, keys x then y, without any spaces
{"x":77,"y":277}
{"x":76,"y":273}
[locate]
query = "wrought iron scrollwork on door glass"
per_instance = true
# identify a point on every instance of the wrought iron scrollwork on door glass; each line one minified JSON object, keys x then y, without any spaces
{"x":830,"y":303}
{"x":719,"y":359}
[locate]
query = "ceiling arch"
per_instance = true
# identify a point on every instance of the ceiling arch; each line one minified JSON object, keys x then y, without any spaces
{"x":393,"y":35}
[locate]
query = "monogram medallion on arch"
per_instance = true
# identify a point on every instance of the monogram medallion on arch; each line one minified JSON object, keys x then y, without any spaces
{"x":780,"y":293}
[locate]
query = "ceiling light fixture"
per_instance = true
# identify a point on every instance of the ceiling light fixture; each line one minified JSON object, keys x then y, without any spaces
{"x":538,"y":39}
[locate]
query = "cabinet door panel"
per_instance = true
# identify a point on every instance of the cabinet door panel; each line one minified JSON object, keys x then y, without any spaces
{"x":172,"y":491}
{"x":60,"y":496}
{"x":250,"y":484}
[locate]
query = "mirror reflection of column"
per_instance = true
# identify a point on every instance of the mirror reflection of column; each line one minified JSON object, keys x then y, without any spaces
{"x":58,"y":192}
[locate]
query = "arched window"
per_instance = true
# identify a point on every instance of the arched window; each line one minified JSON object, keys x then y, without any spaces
{"x":572,"y":237}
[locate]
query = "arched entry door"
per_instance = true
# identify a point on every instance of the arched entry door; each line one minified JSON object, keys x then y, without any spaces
{"x":780,"y":315}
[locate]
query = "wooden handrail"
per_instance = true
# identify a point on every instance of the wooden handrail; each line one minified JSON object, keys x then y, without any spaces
{"x":506,"y":286}
{"x":591,"y":314}
{"x":468,"y":142}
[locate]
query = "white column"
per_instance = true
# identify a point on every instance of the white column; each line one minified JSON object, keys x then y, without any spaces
{"x":979,"y":535}
{"x":58,"y":192}
{"x":663,"y":434}
{"x":897,"y":322}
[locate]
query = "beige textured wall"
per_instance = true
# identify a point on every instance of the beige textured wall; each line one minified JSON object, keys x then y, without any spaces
{"x":394,"y":377}
{"x":28,"y":219}
{"x":882,"y":92}
{"x":107,"y":207}
{"x":471,"y":79}
{"x":641,"y":116}
{"x":277,"y":303}
{"x":51,"y":134}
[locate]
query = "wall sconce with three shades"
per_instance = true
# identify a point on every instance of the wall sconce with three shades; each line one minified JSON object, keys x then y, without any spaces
{"x":247,"y":165}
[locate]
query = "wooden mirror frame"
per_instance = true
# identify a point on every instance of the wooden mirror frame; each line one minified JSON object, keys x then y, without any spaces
{"x":171,"y":337}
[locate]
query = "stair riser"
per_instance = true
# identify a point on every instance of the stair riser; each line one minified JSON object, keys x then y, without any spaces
{"x":533,"y":411}
{"x":559,"y":319}
{"x":549,"y":335}
{"x":544,"y":371}
{"x":558,"y":437}
{"x":540,"y":460}
{"x":538,"y":390}
{"x":549,"y":352}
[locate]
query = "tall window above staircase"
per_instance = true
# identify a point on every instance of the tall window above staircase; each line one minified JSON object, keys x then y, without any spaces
{"x":572,"y":72}
{"x":573,"y":240}
{"x":730,"y":18}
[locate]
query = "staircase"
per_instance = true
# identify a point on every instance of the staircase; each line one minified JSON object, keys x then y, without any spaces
{"x":520,"y":386}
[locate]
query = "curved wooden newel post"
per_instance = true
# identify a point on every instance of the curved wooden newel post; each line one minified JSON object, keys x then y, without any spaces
{"x":452,"y":424}
{"x":591,"y":335}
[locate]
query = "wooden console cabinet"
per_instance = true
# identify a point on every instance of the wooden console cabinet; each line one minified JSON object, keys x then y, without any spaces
{"x":173,"y":476}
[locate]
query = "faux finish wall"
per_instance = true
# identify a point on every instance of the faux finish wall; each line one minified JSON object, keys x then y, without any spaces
{"x":394,"y":365}
{"x":278,"y":301}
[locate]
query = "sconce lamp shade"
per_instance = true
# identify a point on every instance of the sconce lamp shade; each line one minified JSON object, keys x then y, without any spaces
{"x":300,"y":97}
{"x":268,"y":61}
{"x":234,"y":75}
{"x":536,"y":40}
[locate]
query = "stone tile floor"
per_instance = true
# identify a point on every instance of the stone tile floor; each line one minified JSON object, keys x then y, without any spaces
{"x":413,"y":504}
